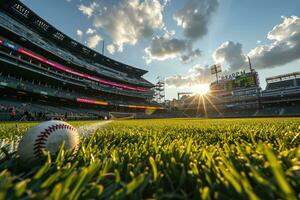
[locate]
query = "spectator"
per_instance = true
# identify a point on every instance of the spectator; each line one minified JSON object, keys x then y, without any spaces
{"x":40,"y":116}
{"x":13,"y":114}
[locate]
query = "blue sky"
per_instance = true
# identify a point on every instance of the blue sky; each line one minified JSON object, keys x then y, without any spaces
{"x":221,"y":31}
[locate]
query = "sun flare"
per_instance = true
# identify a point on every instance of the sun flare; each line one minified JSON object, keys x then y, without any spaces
{"x":200,"y":89}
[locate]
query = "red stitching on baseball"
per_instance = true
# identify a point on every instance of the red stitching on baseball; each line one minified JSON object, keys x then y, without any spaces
{"x":41,"y":140}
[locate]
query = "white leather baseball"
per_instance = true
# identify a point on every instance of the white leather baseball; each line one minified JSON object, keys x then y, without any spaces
{"x":49,"y":135}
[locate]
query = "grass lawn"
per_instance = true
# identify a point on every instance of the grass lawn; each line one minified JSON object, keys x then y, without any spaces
{"x":162,"y":159}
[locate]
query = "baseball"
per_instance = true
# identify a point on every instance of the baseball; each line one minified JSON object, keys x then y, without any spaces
{"x":49,"y":135}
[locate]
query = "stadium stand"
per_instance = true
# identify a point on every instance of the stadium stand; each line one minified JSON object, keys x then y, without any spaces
{"x":243,"y":97}
{"x":280,"y":84}
{"x":31,"y":111}
{"x":291,"y":110}
{"x":269,"y":111}
{"x":282,"y":95}
{"x":238,"y":96}
{"x":42,"y":65}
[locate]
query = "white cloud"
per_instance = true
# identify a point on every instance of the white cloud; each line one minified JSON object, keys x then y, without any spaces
{"x":111,"y":48}
{"x":167,"y":47}
{"x":90,"y":31}
{"x":190,"y":56}
{"x":93,"y":41}
{"x":88,"y":10}
{"x":163,"y":48}
{"x":194,"y":17}
{"x":130,"y":20}
{"x":166,"y":2}
{"x":197,"y":75}
{"x":232,"y":54}
{"x":79,"y":33}
{"x":284,"y":48}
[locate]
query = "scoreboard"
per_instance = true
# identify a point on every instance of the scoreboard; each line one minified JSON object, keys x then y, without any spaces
{"x":245,"y":80}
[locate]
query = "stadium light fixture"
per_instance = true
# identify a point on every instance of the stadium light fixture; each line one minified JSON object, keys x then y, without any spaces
{"x":60,"y":67}
{"x":89,"y":101}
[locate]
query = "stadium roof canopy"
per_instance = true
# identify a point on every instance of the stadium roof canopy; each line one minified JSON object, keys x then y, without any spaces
{"x":283,"y":77}
{"x":18,"y":10}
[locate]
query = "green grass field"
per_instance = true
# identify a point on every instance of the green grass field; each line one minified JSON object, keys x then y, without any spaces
{"x":162,"y":159}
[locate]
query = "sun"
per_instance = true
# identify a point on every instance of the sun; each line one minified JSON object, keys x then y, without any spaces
{"x":200,"y":89}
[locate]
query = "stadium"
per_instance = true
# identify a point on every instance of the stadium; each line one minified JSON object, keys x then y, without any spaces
{"x":77,"y":124}
{"x":46,"y":73}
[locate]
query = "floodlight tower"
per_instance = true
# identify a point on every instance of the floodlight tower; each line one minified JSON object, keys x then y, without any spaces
{"x":159,"y":90}
{"x":250,"y":65}
{"x":216,"y":69}
{"x":252,"y":71}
